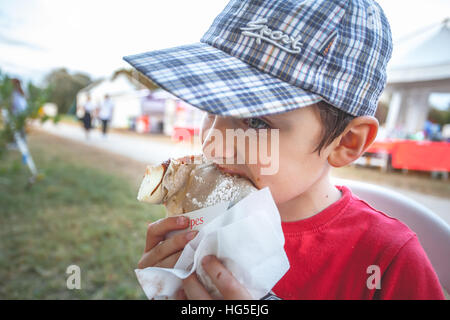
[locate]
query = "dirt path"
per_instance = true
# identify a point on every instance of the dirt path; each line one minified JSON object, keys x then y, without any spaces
{"x":142,"y":148}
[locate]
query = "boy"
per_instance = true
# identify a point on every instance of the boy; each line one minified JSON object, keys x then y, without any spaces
{"x":314,"y":71}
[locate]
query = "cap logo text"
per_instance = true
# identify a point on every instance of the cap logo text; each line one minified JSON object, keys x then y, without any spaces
{"x":260,"y":31}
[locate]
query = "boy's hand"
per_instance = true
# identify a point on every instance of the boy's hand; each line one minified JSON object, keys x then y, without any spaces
{"x":229,"y":287}
{"x":161,"y":252}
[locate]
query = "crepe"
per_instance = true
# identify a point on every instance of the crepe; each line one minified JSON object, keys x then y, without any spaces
{"x":240,"y":225}
{"x":191,"y":183}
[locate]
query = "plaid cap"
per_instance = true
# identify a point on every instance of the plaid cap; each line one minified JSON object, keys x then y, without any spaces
{"x":263,"y":57}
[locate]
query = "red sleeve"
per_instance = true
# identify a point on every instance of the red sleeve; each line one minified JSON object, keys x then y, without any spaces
{"x":410,"y":276}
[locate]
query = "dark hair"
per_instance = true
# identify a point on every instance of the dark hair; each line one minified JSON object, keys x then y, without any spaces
{"x":17,"y":86}
{"x":334,"y":122}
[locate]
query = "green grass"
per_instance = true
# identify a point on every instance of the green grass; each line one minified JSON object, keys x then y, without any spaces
{"x":78,"y":215}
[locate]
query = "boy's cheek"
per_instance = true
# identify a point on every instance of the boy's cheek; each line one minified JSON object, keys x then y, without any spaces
{"x":289,"y":182}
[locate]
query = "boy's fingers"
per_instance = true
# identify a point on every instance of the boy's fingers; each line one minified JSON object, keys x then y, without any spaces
{"x":165,"y":249}
{"x":229,"y":287}
{"x":144,"y":262}
{"x":158,"y":229}
{"x":169,"y":262}
{"x":194,"y":290}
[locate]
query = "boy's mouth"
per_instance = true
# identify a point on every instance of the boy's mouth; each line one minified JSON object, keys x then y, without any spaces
{"x":230,"y":171}
{"x":234,"y":172}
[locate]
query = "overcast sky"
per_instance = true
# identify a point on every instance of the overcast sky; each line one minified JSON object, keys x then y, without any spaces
{"x":92,"y":36}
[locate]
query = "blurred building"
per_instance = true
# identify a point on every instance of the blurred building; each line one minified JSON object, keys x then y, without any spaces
{"x":125,"y":93}
{"x":420,"y":67}
{"x":141,"y":109}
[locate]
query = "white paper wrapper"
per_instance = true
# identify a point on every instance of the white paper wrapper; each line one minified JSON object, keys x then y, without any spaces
{"x":247,"y":238}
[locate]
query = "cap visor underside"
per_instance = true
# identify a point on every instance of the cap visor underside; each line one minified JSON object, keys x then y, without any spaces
{"x":216,"y":82}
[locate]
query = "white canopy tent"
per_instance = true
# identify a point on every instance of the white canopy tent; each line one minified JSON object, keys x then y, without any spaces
{"x":420,"y":66}
{"x":125,"y":95}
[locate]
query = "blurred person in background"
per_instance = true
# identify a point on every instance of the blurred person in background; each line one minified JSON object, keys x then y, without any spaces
{"x":18,"y":103}
{"x":432,"y":131}
{"x":105,"y":113}
{"x":88,"y":109}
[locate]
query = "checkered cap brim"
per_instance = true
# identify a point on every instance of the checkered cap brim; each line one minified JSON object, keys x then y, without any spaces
{"x":218,"y":83}
{"x":263,"y":57}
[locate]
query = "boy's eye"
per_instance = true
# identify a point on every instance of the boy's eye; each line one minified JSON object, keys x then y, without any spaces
{"x":256,"y":123}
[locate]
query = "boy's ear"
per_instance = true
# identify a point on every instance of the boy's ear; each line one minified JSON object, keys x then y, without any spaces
{"x":356,"y":138}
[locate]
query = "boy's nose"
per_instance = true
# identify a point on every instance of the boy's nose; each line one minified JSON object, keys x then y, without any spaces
{"x":214,"y":143}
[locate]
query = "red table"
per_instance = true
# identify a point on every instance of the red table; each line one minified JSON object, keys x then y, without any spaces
{"x":415,"y":155}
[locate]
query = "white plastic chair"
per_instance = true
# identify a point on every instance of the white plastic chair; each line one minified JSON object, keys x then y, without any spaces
{"x":432,"y":231}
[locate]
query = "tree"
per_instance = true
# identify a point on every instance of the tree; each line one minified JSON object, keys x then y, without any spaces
{"x":64,"y":87}
{"x":137,"y":77}
{"x":441,"y":117}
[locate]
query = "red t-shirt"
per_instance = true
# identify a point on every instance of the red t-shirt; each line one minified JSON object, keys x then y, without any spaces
{"x":340,"y":253}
